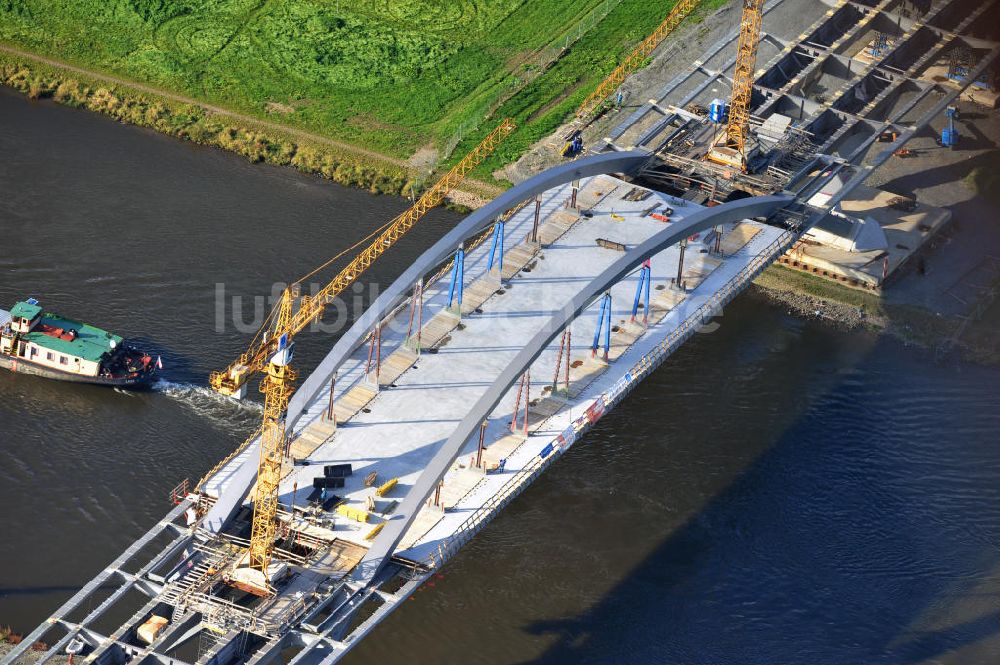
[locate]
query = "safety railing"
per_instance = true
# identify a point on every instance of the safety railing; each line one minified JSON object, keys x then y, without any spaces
{"x":471,"y":526}
{"x":715,"y":302}
{"x":228,"y":458}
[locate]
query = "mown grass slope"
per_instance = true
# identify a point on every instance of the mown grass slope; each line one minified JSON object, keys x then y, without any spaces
{"x":392,"y":75}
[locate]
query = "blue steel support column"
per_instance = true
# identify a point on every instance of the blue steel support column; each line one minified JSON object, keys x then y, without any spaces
{"x":638,"y":292}
{"x":451,"y":283}
{"x":607,"y":327}
{"x":457,"y":276}
{"x":498,"y":230}
{"x":644,"y":279}
{"x":600,"y":323}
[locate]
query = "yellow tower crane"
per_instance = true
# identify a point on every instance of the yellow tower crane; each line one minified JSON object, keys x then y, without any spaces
{"x":731,"y":150}
{"x":272,"y":351}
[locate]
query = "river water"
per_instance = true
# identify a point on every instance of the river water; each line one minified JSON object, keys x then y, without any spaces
{"x":778,"y":492}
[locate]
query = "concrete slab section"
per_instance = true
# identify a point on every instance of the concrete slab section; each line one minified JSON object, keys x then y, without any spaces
{"x":906,"y":231}
{"x":735,"y":239}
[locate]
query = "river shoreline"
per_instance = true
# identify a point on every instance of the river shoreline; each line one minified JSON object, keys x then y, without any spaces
{"x":810,"y":297}
{"x":257,"y":140}
{"x":205,"y":125}
{"x":805,"y":296}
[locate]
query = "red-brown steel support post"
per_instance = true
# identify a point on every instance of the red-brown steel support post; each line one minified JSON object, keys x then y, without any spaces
{"x":375,"y":352}
{"x":482,"y":441}
{"x":371,"y":352}
{"x":420,"y":311}
{"x":413,"y":309}
{"x":330,"y":413}
{"x":517,"y":405}
{"x":680,"y":264}
{"x":569,"y":357}
{"x":538,"y":212}
{"x":378,"y":352}
{"x":559,"y":357}
{"x":527,"y":399}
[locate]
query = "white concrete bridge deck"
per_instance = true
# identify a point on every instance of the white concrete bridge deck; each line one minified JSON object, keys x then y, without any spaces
{"x":400,"y":428}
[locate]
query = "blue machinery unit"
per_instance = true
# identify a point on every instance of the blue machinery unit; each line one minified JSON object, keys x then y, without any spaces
{"x":949,"y":135}
{"x":962,"y":61}
{"x":573,"y":145}
{"x":878,"y":45}
{"x":717,"y":111}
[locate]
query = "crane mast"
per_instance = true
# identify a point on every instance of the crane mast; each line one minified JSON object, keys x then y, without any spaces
{"x":272,"y":350}
{"x":731,"y":150}
{"x":277,"y":389}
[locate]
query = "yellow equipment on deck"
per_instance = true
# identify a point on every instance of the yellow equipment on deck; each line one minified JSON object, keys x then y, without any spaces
{"x":355,"y":514}
{"x":386,"y":487}
{"x":272,"y":351}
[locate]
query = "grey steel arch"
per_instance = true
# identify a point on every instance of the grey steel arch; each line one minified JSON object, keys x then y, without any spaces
{"x":242,"y":478}
{"x":387,"y":541}
{"x":612,"y":162}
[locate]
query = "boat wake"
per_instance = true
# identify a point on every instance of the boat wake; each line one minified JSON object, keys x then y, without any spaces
{"x":206,"y":402}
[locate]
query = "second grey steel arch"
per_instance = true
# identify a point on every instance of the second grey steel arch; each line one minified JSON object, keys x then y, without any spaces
{"x":401,"y":519}
{"x":612,"y":162}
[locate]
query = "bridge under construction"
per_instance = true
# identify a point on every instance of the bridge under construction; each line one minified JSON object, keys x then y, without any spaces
{"x":502,"y":344}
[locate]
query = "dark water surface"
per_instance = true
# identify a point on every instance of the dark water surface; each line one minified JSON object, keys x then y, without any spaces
{"x":779,"y":492}
{"x":134,"y":232}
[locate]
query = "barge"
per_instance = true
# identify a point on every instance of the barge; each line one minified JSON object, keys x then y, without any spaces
{"x":33,"y":341}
